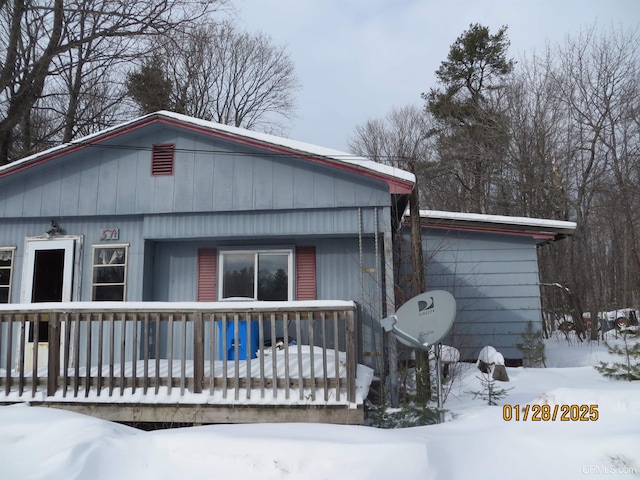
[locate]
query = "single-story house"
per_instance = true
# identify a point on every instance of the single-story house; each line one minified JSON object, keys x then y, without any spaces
{"x":174,"y":269}
{"x":119,"y":251}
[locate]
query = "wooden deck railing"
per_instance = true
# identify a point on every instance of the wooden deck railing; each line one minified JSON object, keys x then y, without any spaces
{"x":230,"y":350}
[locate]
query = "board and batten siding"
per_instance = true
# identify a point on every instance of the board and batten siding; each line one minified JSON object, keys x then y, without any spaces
{"x":494,"y":279}
{"x":210,"y":175}
{"x":149,"y":237}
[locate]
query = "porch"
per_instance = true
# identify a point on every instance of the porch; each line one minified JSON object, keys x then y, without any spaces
{"x":222,"y":362}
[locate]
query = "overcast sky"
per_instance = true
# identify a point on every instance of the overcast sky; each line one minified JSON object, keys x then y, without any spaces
{"x":357,"y":59}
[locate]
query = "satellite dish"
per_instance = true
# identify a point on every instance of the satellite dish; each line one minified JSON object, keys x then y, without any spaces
{"x":426,"y":318}
{"x":421,"y":323}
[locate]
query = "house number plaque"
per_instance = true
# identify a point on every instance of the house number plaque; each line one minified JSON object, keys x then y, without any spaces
{"x":110,"y":234}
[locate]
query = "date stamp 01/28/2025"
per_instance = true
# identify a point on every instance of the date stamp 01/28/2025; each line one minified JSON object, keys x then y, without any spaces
{"x":550,"y":413}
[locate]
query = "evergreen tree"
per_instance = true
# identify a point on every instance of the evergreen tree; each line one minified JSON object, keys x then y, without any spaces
{"x":471,"y":128}
{"x":629,"y":367}
{"x":532,"y":347}
{"x":149,"y":86}
{"x":490,"y":393}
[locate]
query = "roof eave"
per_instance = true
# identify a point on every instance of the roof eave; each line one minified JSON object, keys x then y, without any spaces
{"x":539,"y":229}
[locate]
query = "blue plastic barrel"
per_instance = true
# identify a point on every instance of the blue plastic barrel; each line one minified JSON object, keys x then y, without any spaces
{"x":229,"y":349}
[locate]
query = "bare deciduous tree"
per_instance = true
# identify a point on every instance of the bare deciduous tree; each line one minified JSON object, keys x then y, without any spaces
{"x":573,"y":155}
{"x":596,"y":74}
{"x":228,"y":76}
{"x":399,"y":140}
{"x":532,"y":176}
{"x":62,"y":42}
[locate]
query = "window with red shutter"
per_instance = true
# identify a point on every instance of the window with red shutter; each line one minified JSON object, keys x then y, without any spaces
{"x":261,"y":274}
{"x":162,"y":159}
{"x":256,"y":274}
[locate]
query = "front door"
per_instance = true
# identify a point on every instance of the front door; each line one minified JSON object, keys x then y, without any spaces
{"x":48,"y":277}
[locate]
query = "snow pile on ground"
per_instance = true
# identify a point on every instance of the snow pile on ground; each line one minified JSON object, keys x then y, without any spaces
{"x":45,"y":443}
{"x":475,"y":442}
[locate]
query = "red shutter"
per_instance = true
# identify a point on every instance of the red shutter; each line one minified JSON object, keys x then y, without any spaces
{"x":162,"y":157}
{"x":306,"y":273}
{"x":207,"y":269}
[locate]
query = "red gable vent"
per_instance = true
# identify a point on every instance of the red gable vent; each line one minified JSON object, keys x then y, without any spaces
{"x":207,"y":266}
{"x":162,"y":159}
{"x":306,"y":273}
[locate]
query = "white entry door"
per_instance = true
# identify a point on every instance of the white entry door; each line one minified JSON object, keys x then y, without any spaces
{"x":47,"y":277}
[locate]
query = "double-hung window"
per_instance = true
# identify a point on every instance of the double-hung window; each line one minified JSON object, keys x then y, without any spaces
{"x":6,"y":267}
{"x":109,"y":279}
{"x":256,"y":274}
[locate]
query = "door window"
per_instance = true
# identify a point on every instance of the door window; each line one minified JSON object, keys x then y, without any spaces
{"x":48,"y":275}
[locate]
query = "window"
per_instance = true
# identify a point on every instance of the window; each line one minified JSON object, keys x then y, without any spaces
{"x":109,"y":278}
{"x":162,"y":157}
{"x":261,"y":275}
{"x":6,"y":264}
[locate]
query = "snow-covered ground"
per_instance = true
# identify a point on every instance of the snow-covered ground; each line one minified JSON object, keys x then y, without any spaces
{"x":475,"y":441}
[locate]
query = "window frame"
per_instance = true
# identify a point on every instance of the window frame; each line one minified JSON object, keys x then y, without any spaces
{"x":125,"y":265}
{"x":10,"y":268}
{"x":289,"y":251}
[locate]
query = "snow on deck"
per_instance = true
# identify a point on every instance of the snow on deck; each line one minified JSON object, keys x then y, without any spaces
{"x":309,"y":365}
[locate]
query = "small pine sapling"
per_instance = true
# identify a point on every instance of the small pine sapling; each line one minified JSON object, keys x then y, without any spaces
{"x":629,"y":350}
{"x":490,"y":393}
{"x":491,"y":364}
{"x":532,"y":347}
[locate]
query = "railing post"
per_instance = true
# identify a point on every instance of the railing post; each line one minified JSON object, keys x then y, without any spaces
{"x":35,"y":326}
{"x":7,"y":385}
{"x":54,"y":354}
{"x":352,"y":360}
{"x":198,"y":352}
{"x":22,"y":347}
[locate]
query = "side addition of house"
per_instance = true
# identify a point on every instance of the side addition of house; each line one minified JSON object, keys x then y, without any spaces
{"x":489,"y":263}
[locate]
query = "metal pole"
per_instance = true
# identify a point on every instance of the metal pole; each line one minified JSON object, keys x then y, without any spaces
{"x":438,"y":352}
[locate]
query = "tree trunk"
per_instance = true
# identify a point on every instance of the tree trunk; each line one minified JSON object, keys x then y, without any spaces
{"x":418,"y":285}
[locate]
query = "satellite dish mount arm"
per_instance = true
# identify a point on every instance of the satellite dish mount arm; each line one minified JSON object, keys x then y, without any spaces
{"x":390,"y":324}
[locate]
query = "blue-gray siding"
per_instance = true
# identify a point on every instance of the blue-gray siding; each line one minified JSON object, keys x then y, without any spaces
{"x":223,"y":194}
{"x":210,"y":175}
{"x":494,"y":279}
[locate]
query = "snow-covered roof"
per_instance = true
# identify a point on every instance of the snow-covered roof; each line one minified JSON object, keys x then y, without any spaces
{"x":335,"y":157}
{"x":296,"y":145}
{"x":536,"y":226}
